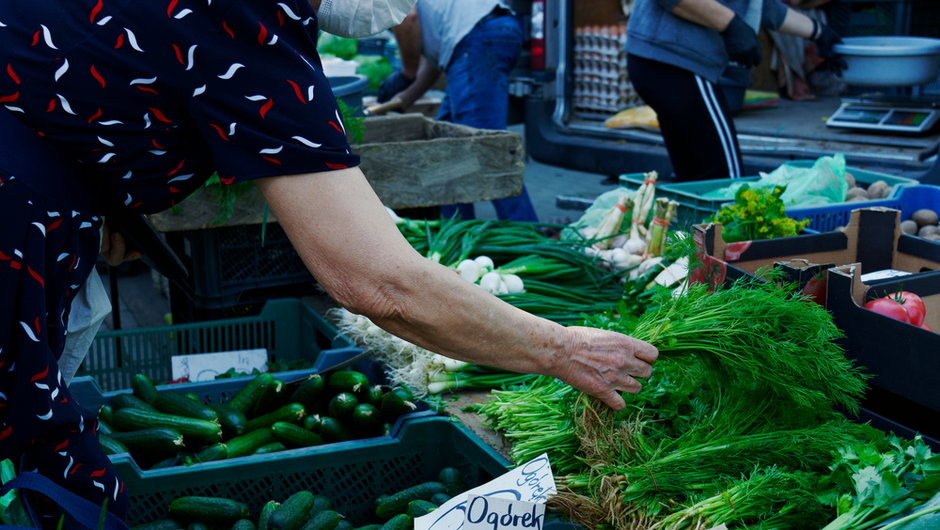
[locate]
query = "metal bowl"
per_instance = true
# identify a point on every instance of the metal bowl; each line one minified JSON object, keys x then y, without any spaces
{"x":889,"y":61}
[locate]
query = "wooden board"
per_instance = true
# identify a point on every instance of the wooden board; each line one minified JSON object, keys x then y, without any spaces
{"x":409,"y":159}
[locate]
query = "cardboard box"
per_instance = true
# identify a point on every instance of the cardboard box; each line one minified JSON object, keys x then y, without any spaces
{"x":872,"y":239}
{"x":905,"y":359}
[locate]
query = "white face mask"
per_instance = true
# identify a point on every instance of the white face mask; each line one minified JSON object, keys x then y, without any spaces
{"x":361,"y":18}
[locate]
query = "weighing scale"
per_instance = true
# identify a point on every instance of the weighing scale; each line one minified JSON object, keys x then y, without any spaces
{"x":907,"y":115}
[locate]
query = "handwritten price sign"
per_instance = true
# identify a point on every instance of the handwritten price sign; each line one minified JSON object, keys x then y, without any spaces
{"x":528,"y":484}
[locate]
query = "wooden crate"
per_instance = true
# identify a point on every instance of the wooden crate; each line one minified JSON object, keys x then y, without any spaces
{"x":410,"y":160}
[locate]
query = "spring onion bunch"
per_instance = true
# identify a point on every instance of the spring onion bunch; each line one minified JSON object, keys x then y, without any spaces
{"x":424,"y":371}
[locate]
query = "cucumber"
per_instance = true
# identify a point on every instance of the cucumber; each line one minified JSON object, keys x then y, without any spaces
{"x":246,"y":398}
{"x":143,"y":388}
{"x":214,"y":452}
{"x":272,"y":447}
{"x":371,"y":395}
{"x":179,"y":405}
{"x":105,"y":412}
{"x":344,"y":525}
{"x":110,"y":446}
{"x":402,"y":521}
{"x":325,"y":520}
{"x":244,"y":524}
{"x":320,"y":503}
{"x":420,"y":507}
{"x":312,"y":423}
{"x":370,"y":527}
{"x":122,"y":401}
{"x":193,"y":396}
{"x":294,"y":435}
{"x":366,"y":420}
{"x":152,"y":440}
{"x":333,"y":431}
{"x":440,"y":498}
{"x":292,"y":413}
{"x":396,"y":402}
{"x":197,"y":526}
{"x":159,"y":524}
{"x":233,"y":421}
{"x":450,"y":478}
{"x":271,"y":398}
{"x":195,"y":430}
{"x":341,"y":406}
{"x":214,"y":510}
{"x":397,"y":502}
{"x":293,"y":512}
{"x":104,"y":427}
{"x":249,"y":442}
{"x":309,"y":392}
{"x":265,"y":515}
{"x":346,"y":381}
{"x":170,"y":461}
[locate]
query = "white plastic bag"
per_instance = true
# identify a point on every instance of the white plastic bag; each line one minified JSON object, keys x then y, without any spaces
{"x":89,"y":309}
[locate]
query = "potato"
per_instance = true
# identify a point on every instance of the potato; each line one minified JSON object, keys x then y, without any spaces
{"x":925,"y":216}
{"x":878,"y":189}
{"x":856,"y":192}
{"x":928,"y":230}
{"x":933,"y":237}
{"x":909,"y":227}
{"x":858,"y":198}
{"x":850,"y":180}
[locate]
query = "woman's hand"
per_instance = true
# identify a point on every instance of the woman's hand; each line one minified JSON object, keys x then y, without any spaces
{"x":605,"y":363}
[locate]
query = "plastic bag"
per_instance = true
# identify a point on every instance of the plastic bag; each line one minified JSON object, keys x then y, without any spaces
{"x":823,"y":183}
{"x":595,"y":212}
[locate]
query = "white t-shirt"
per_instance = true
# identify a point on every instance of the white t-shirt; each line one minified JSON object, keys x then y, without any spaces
{"x":445,"y":22}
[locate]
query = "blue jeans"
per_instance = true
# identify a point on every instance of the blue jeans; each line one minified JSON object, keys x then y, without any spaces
{"x":477,"y":95}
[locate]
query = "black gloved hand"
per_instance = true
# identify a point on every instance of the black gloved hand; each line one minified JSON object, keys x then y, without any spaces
{"x":393,"y":84}
{"x":826,"y":39}
{"x":741,"y":43}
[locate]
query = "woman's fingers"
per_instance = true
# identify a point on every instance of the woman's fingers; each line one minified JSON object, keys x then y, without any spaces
{"x":604,"y":363}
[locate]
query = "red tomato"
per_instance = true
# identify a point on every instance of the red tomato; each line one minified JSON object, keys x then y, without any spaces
{"x":913,"y":304}
{"x":815,"y":289}
{"x":925,"y":326}
{"x":889,"y":307}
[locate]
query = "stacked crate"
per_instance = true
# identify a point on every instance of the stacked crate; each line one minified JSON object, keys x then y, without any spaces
{"x":601,"y":83}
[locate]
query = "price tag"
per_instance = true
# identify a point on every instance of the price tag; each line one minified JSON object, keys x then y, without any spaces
{"x":495,"y":513}
{"x":532,"y":482}
{"x":205,"y":366}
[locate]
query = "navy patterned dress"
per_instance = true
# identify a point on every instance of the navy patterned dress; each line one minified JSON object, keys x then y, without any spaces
{"x":149,"y":98}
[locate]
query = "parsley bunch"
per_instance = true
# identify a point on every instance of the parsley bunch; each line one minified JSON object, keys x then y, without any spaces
{"x":756,"y":213}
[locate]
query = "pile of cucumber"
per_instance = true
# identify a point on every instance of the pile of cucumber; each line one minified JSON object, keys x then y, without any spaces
{"x":162,"y":428}
{"x":305,"y":510}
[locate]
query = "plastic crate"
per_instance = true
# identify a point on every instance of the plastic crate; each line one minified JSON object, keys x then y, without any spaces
{"x":225,"y":264}
{"x":694,"y":207}
{"x":909,"y":199}
{"x":288,"y":328}
{"x":352,"y":474}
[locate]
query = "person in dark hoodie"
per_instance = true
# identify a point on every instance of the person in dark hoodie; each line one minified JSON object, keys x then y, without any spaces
{"x":677,"y":50}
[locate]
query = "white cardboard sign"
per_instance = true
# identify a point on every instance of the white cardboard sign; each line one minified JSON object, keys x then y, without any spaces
{"x":532,"y":482}
{"x":496,"y":513}
{"x":205,"y":366}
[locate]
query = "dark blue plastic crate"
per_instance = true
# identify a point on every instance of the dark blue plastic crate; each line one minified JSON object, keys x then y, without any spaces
{"x":908,"y":199}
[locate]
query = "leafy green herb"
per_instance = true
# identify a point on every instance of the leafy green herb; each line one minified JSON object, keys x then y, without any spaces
{"x":352,"y":121}
{"x":871,"y":483}
{"x":756,"y":213}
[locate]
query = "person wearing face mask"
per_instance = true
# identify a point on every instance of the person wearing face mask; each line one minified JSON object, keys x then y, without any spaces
{"x":476,"y":43}
{"x":131,"y":106}
{"x":677,"y":50}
